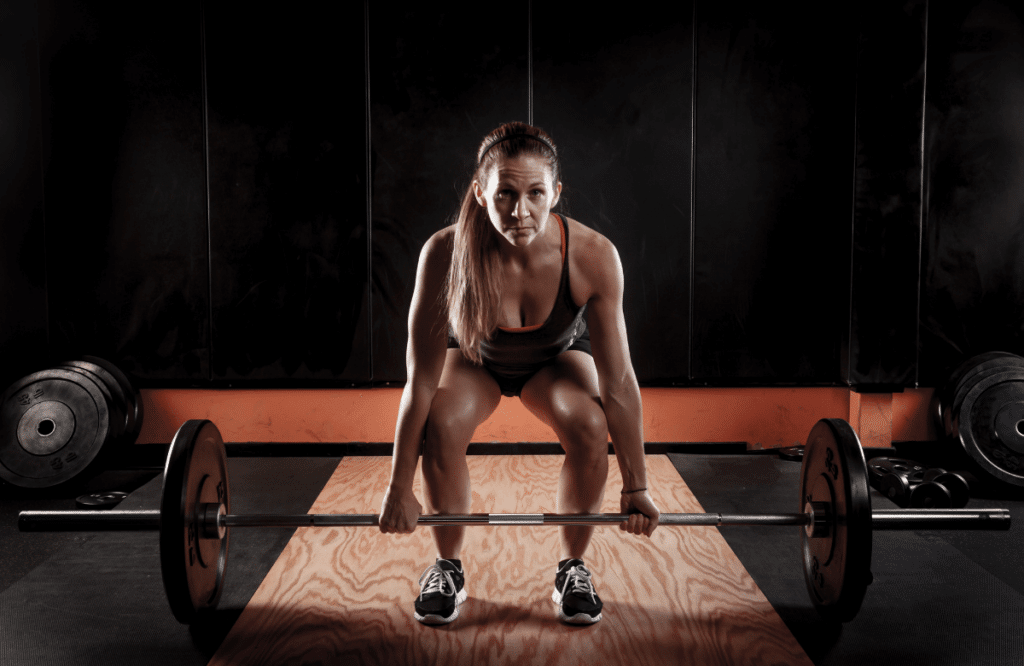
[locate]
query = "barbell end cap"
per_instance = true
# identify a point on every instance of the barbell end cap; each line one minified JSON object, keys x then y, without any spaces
{"x":1002,"y":519}
{"x":26,"y":524}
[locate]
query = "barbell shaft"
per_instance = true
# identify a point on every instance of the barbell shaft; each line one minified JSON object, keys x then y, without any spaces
{"x":511,"y":519}
{"x":904,"y":519}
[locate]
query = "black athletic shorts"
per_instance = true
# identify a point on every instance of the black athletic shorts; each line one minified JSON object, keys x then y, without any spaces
{"x":512,"y":385}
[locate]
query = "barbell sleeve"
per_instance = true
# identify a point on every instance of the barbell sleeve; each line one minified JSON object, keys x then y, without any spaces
{"x":89,"y":521}
{"x":941,"y":519}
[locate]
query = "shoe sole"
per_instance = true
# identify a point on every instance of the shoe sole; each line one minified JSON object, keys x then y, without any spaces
{"x":578,"y":618}
{"x":437,"y":619}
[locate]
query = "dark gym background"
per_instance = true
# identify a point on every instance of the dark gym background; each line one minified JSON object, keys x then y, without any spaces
{"x":212,"y":194}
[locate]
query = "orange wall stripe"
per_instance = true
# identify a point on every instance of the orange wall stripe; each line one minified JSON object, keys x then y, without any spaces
{"x":912,"y":417}
{"x":763,"y":417}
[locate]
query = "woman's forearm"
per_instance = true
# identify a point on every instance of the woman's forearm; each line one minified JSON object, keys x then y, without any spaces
{"x":412,"y":419}
{"x":623,"y":411}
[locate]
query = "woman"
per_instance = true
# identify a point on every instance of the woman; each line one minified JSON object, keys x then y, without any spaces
{"x":498,"y":309}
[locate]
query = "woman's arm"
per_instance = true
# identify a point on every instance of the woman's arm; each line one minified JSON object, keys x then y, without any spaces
{"x":620,"y":393}
{"x":424,"y":357}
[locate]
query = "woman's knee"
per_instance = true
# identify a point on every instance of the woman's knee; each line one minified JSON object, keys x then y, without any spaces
{"x":583,"y":430}
{"x":445,"y":437}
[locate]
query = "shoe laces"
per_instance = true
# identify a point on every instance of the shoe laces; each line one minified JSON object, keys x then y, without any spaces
{"x":438,"y":581}
{"x":579,"y":577}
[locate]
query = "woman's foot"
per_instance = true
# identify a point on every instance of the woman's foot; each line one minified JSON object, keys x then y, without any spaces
{"x":442,"y":590}
{"x":575,"y":594}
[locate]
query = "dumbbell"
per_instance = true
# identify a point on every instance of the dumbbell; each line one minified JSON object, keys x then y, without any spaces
{"x":929,"y":489}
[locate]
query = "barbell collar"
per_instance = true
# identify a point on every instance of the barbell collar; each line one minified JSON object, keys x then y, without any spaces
{"x":819,"y":522}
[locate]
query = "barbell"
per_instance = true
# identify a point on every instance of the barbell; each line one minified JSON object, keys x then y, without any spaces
{"x":194,"y":520}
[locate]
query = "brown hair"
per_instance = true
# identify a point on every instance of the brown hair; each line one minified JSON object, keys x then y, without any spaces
{"x":474,"y":288}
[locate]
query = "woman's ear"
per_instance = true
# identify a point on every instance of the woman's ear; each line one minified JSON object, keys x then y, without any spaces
{"x":478,"y":193}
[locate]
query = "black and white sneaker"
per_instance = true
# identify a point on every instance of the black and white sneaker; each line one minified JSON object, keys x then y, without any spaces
{"x":442,"y":589}
{"x":575,"y":595}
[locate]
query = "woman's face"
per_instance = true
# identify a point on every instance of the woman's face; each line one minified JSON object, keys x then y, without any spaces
{"x":518,"y":194}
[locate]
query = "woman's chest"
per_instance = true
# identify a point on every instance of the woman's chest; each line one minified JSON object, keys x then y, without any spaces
{"x":528,"y":295}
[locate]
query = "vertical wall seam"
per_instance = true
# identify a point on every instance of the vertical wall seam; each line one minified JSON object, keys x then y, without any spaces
{"x":923,"y":203}
{"x":693,"y":186}
{"x":529,"y":62}
{"x":369,"y":196}
{"x":206,"y":168}
{"x":853,"y":211}
{"x":42,"y":184}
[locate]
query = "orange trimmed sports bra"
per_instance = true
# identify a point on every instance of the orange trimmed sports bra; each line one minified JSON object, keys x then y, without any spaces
{"x":514,"y":352}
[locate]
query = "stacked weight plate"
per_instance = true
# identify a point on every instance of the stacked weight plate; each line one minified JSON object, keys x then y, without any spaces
{"x":66,"y":422}
{"x":981,"y":409}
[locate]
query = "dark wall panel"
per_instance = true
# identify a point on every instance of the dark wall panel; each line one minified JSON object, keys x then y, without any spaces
{"x":882,"y":348}
{"x":441,"y":78}
{"x":773,"y":190}
{"x":124,"y":193}
{"x":23,"y":340}
{"x":973,"y":270}
{"x":288,"y":211}
{"x":337,"y":145}
{"x":614,"y":90}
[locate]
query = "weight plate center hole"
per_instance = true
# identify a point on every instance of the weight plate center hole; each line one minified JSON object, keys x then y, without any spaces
{"x":1020,"y":428}
{"x":47,"y":427}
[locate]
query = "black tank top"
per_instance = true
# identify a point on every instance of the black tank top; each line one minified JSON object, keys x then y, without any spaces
{"x":514,"y":352}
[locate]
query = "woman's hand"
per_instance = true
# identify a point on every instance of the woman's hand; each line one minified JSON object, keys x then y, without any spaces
{"x":644,"y":514}
{"x":399,"y":511}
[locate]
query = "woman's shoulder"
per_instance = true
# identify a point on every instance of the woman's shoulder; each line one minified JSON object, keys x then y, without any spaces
{"x":586,"y":243}
{"x":439,"y":244}
{"x":436,"y":256}
{"x":442,"y":237}
{"x":593,"y":262}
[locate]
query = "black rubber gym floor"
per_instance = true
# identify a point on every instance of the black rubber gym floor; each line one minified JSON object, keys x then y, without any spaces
{"x":937,"y":597}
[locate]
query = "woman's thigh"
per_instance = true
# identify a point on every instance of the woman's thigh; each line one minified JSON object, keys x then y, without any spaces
{"x":466,"y":396}
{"x":565,"y":395}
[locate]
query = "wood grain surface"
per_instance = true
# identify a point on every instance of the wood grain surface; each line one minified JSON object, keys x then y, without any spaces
{"x":344,"y":595}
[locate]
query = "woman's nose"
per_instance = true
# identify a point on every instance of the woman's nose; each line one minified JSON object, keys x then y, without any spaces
{"x":520,"y":211}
